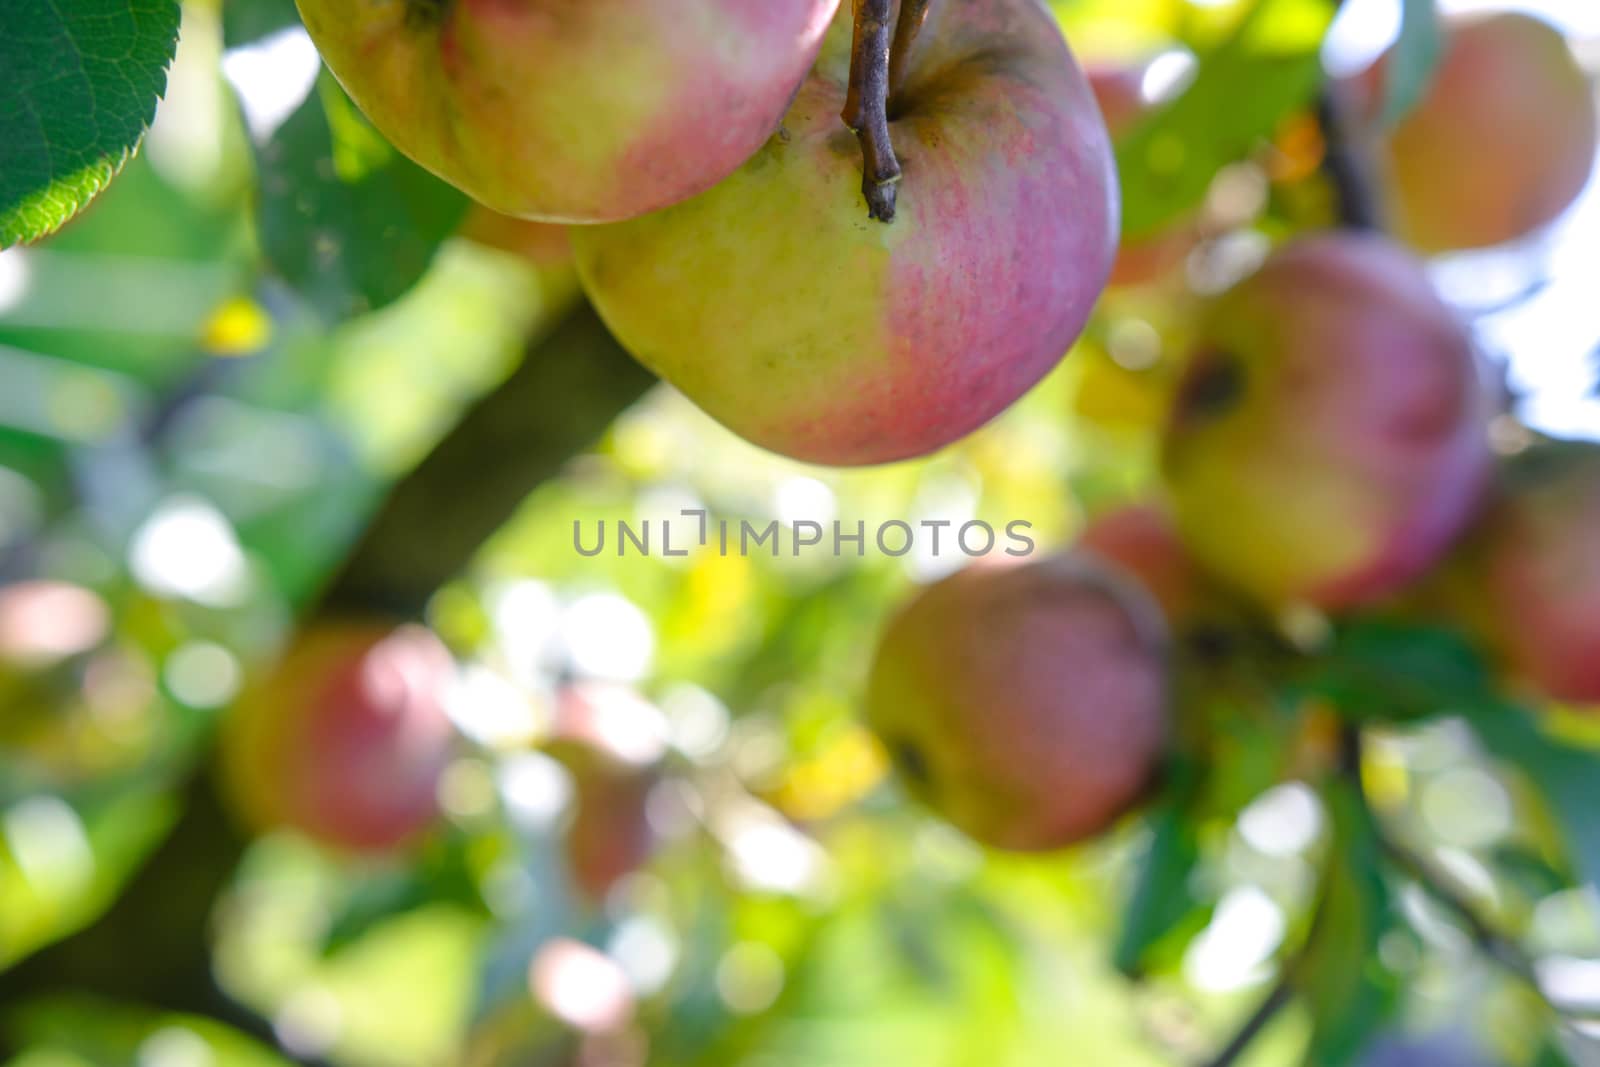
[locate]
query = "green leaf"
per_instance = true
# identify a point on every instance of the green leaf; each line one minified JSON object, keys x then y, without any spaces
{"x":1243,"y":89}
{"x":345,"y":219}
{"x":81,"y":83}
{"x":1408,"y":70}
{"x":1162,"y":900}
{"x":244,"y":21}
{"x":1393,"y":671}
{"x":1567,"y":777}
{"x":1551,"y":1054}
{"x":92,"y":1031}
{"x":1348,"y":991}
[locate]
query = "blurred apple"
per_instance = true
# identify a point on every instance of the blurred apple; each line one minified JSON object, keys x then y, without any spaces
{"x":572,"y":112}
{"x":611,"y":741}
{"x":1329,"y":440}
{"x":1529,"y":577}
{"x":346,"y":738}
{"x":1025,"y":703}
{"x":1501,"y":144}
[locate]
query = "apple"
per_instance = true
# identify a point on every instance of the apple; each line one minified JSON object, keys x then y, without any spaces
{"x":346,"y":738}
{"x":1025,"y":703}
{"x":1329,"y":438}
{"x":1142,"y":540}
{"x":1502,"y":142}
{"x":543,"y":244}
{"x":611,"y":741}
{"x":1528,"y":579}
{"x":776,"y":304}
{"x":1119,"y":91}
{"x":572,"y":112}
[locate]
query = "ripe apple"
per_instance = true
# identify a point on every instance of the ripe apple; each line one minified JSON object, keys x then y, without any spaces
{"x":572,"y":112}
{"x":1142,"y":540}
{"x":346,"y":738}
{"x":1119,"y":90}
{"x":1026,"y":703}
{"x":1329,"y":440}
{"x":611,"y":741}
{"x":1502,"y":142}
{"x":1529,"y":576}
{"x":779,"y":307}
{"x":543,"y":244}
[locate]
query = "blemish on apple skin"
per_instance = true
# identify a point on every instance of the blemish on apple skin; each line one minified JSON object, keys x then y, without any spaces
{"x":911,"y":763}
{"x":1213,"y":387}
{"x":426,"y":14}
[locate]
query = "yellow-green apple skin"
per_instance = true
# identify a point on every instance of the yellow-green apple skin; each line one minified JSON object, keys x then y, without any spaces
{"x":1025,"y":703}
{"x":1329,"y":440}
{"x":572,"y":110}
{"x":346,"y":738}
{"x":1501,"y":143}
{"x":784,"y":312}
{"x":1528,"y":579}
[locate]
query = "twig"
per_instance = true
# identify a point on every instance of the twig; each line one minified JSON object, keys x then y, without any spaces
{"x":866,"y":107}
{"x":1499,"y":947}
{"x":913,"y":14}
{"x":1277,"y":998}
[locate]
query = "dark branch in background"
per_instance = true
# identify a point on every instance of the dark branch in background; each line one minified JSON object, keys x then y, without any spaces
{"x":1498,"y":946}
{"x":866,"y":106}
{"x":1275,"y":1001}
{"x":1346,"y":170}
{"x":566,"y":390}
{"x":559,"y":400}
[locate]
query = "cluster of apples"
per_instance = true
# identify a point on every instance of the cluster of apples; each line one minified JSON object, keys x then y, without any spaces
{"x":835,"y":302}
{"x":1328,"y":448}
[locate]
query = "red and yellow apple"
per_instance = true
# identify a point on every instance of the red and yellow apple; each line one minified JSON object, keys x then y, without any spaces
{"x":1528,"y":579}
{"x":610,"y":740}
{"x":1142,"y":540}
{"x":779,"y":307}
{"x":543,"y":244}
{"x":1501,"y":143}
{"x":1025,"y":703}
{"x":1329,"y":439}
{"x":346,"y":738}
{"x":572,"y":112}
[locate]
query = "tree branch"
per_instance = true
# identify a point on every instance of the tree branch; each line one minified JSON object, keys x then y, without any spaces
{"x":1354,"y":190}
{"x":562,"y":396}
{"x":1277,"y":998}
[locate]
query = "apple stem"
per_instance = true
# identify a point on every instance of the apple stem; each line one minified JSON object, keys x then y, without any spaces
{"x":913,"y":14}
{"x":866,"y":106}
